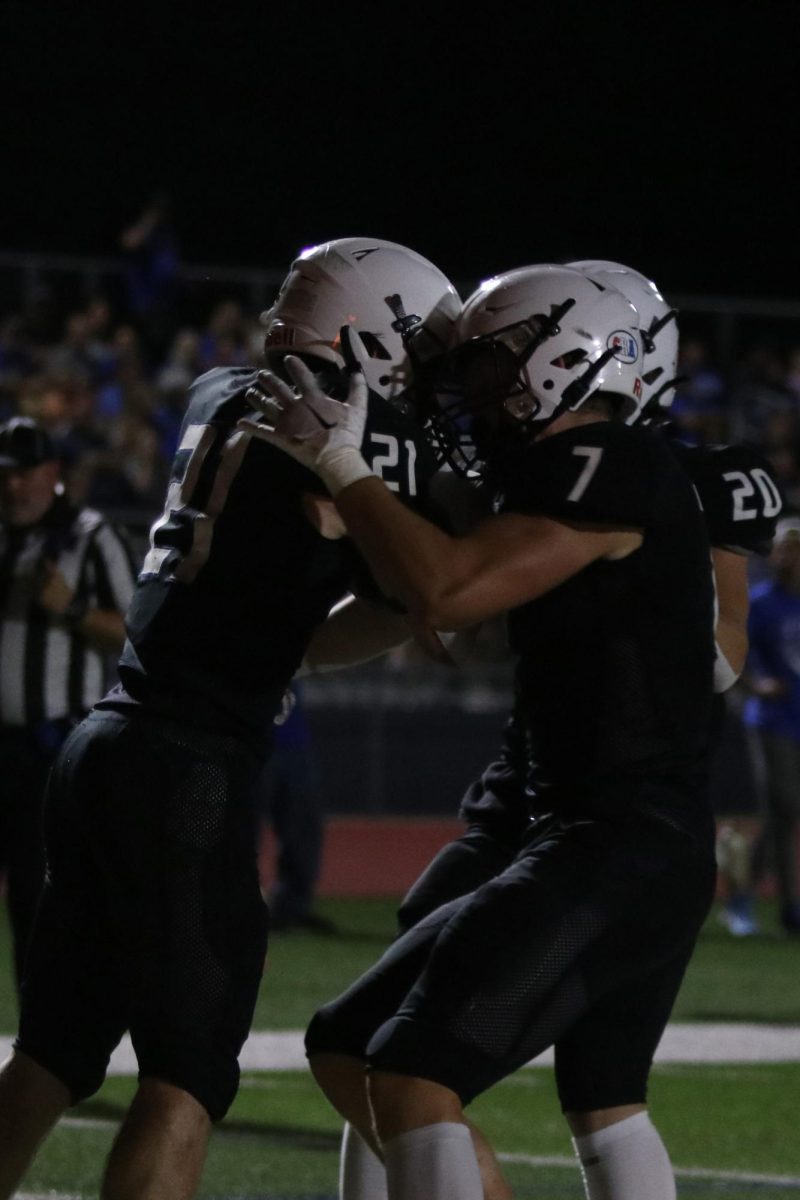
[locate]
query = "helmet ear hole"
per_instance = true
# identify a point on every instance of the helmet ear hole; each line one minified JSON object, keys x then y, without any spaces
{"x":570,"y":359}
{"x":373,"y":345}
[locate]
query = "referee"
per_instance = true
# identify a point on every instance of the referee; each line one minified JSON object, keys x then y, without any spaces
{"x":66,"y":578}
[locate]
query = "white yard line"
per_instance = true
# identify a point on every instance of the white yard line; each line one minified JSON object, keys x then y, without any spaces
{"x":682,"y":1043}
{"x":744,"y":1177}
{"x":752,"y":1178}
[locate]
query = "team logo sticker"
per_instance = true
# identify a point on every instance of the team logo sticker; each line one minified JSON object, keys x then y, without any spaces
{"x":624,"y":345}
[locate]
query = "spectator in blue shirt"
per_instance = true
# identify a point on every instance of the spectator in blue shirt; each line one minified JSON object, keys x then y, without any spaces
{"x":772,"y":713}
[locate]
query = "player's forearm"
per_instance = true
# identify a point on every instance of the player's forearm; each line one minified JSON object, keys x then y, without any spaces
{"x":731,"y":639}
{"x":355,"y":632}
{"x":732,"y":592}
{"x":417,"y":563}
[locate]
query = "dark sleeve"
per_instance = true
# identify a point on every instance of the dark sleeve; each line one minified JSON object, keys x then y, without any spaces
{"x":398,"y":451}
{"x":603,"y":474}
{"x":740,"y":497}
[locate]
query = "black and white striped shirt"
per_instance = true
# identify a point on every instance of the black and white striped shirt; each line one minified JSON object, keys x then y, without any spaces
{"x":47,"y":672}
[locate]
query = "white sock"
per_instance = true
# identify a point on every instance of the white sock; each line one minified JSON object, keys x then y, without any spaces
{"x":436,"y":1162}
{"x":362,"y":1175}
{"x":626,"y":1161}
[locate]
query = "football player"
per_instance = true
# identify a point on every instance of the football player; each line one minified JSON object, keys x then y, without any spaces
{"x":736,"y":485}
{"x":496,"y":808}
{"x":152,"y":918}
{"x":741,"y":503}
{"x":599,"y":552}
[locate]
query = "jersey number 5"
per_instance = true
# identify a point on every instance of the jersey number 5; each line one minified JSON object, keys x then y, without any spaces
{"x":179,"y":514}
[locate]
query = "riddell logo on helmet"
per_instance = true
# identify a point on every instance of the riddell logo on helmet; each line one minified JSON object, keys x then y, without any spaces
{"x":279,"y":335}
{"x":624,"y":345}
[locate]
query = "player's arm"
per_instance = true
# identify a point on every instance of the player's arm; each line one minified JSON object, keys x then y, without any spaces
{"x":354,"y":632}
{"x":741,"y":501}
{"x":450,"y":582}
{"x":731,"y":583}
{"x":442,"y":581}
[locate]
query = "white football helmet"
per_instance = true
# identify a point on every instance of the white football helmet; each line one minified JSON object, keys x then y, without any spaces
{"x":532,"y":344}
{"x":400,"y":306}
{"x":659,"y":329}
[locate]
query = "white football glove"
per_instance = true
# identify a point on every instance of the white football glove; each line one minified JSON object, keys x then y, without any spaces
{"x":321,"y":433}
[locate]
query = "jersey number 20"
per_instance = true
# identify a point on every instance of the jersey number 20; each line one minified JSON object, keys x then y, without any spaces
{"x":749,"y":484}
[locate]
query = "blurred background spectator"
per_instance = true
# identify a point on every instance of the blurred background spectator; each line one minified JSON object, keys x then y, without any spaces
{"x":150,"y":245}
{"x":289,"y":801}
{"x":66,"y":579}
{"x":772,"y":718}
{"x":699,"y":407}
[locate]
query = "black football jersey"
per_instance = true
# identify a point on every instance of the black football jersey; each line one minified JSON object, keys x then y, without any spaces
{"x":236,"y":578}
{"x":614,"y":666}
{"x":738,"y":492}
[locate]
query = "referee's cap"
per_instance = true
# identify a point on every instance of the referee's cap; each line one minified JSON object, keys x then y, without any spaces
{"x":24,"y":444}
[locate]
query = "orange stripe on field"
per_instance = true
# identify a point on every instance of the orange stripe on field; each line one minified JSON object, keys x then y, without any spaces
{"x":382,"y":856}
{"x":372,"y":856}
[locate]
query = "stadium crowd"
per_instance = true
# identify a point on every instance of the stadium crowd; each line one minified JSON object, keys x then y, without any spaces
{"x":110,"y":398}
{"x":109,"y":385}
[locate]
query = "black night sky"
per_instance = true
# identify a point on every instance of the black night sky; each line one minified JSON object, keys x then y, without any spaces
{"x":664,"y":135}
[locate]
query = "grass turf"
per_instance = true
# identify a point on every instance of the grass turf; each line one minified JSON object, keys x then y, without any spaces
{"x":281,"y":1137}
{"x":729,"y":979}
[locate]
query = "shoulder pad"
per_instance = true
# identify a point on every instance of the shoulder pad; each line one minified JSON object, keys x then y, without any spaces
{"x":605,"y":473}
{"x":211,"y":394}
{"x":739,"y":494}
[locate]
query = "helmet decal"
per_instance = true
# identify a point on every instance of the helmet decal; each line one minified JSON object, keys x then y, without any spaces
{"x":658,"y":332}
{"x":624,"y":345}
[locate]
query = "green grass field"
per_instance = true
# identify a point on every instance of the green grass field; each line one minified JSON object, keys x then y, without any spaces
{"x":732,"y":1130}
